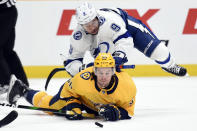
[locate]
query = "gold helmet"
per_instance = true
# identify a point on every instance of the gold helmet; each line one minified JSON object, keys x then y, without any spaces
{"x":104,"y":60}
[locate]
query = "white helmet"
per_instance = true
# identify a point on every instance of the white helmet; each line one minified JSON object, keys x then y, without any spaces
{"x":85,"y":13}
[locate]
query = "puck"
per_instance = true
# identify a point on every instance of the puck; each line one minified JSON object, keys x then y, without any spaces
{"x":99,"y":124}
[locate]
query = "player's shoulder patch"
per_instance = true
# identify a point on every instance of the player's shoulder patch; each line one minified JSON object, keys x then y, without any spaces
{"x":86,"y":75}
{"x":101,"y":20}
{"x":77,"y":35}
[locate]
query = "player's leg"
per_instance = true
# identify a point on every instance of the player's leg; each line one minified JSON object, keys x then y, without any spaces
{"x":4,"y":74}
{"x":5,"y":26}
{"x":35,"y":97}
{"x":146,"y":42}
{"x":15,"y":66}
{"x":162,"y":56}
{"x":11,"y":56}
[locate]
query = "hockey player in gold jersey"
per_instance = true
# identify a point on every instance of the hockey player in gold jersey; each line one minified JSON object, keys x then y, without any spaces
{"x":98,"y":90}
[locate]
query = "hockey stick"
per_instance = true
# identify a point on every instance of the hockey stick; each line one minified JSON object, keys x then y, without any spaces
{"x":127,"y":66}
{"x":52,"y":73}
{"x":9,"y":118}
{"x":55,"y":70}
{"x":59,"y":112}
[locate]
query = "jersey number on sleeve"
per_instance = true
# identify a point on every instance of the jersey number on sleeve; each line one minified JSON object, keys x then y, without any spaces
{"x":115,"y":27}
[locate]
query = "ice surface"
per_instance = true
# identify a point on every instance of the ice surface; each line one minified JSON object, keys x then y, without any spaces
{"x":162,"y":104}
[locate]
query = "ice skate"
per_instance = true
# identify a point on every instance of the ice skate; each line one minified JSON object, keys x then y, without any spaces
{"x":176,"y":70}
{"x":16,"y":90}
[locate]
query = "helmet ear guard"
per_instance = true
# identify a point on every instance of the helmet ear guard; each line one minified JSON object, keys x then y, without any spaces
{"x":85,"y":13}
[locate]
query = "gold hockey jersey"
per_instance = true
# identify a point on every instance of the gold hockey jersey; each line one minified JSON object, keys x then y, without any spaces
{"x":83,"y":86}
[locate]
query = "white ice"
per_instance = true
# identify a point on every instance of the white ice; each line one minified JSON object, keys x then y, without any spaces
{"x":162,"y":104}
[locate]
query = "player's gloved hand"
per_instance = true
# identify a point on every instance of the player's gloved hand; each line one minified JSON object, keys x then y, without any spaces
{"x":120,"y":58}
{"x":119,"y":61}
{"x":74,"y":114}
{"x":110,"y":112}
{"x":84,"y":66}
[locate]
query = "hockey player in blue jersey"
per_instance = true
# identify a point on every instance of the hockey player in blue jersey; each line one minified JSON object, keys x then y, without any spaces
{"x":111,"y":30}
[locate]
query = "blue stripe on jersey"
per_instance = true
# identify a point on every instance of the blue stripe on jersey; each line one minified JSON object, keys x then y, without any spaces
{"x":30,"y":95}
{"x":71,"y":106}
{"x":143,"y":38}
{"x":124,"y":16}
{"x":122,"y":13}
{"x":125,"y":35}
{"x":104,"y":43}
{"x":56,"y":97}
{"x":165,"y":61}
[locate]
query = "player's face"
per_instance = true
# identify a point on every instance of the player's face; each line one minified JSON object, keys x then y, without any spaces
{"x":92,"y":27}
{"x":104,"y":75}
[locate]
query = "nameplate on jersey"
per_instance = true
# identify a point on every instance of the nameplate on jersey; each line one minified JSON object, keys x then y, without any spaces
{"x":77,"y":35}
{"x":85,"y":75}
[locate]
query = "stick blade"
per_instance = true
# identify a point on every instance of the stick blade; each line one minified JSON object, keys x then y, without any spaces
{"x":9,"y":118}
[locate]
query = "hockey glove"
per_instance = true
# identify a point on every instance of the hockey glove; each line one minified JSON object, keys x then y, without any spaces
{"x":73,"y":112}
{"x":119,"y":61}
{"x":110,"y":112}
{"x":120,"y":58}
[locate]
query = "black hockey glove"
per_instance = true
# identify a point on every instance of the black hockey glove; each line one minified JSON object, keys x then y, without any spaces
{"x":110,"y":112}
{"x":73,"y":112}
